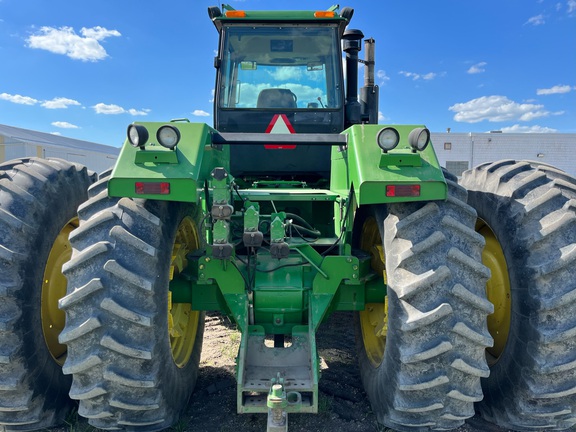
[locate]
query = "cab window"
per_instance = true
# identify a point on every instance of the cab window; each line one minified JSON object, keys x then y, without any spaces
{"x":291,"y":67}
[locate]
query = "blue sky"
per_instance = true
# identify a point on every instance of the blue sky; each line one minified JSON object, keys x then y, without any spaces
{"x":86,"y":69}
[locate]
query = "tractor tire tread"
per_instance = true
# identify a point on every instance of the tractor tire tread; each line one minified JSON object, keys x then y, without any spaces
{"x":434,"y":358}
{"x":31,"y":397}
{"x":529,"y":205}
{"x":118,"y":377}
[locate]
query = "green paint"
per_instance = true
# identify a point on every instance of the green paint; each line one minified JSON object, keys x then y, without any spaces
{"x":221,"y":232}
{"x":251,"y":216}
{"x":230,"y":282}
{"x":252,"y":354}
{"x":220,"y":191}
{"x":277,"y":227}
{"x":185,"y":168}
{"x":152,"y":157}
{"x":400,"y":160}
{"x":364,"y":167}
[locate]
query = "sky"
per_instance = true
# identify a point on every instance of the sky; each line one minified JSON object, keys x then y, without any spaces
{"x":87,"y":69}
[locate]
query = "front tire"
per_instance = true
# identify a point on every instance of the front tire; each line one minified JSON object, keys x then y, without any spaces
{"x":134,"y":355}
{"x":38,"y":203}
{"x":528,"y":211}
{"x":421,"y":352}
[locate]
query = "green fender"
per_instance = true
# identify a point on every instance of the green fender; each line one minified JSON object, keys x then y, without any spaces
{"x":363,"y":167}
{"x":184,"y":169}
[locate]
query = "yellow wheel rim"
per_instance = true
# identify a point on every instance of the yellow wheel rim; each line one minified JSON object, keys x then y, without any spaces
{"x":182,"y":320}
{"x":374,"y":319}
{"x":497,"y":290}
{"x":53,"y":289}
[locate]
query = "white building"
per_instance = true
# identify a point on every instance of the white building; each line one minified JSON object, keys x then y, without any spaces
{"x":461,"y":151}
{"x":16,"y":143}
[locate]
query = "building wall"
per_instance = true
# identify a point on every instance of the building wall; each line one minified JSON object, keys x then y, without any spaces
{"x":95,"y":161}
{"x":2,"y":149}
{"x":455,"y":150}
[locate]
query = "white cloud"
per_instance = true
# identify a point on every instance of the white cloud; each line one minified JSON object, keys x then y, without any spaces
{"x":558,"y":89}
{"x":60,"y":103}
{"x":528,"y":129}
{"x":496,"y":109}
{"x":409,"y":75}
{"x":64,"y":125}
{"x":200,"y":113}
{"x":287,"y":73}
{"x":381,"y":116}
{"x":477,"y":68}
{"x":382,"y":77}
{"x":56,"y":103}
{"x":102,"y":108}
{"x":536,"y":20}
{"x":56,"y":133}
{"x":112,"y":109}
{"x":136,"y":112}
{"x":306,"y":93}
{"x":212,"y":98}
{"x":98,"y":33}
{"x":19,"y":99}
{"x":571,"y":6}
{"x":65,"y":41}
{"x":415,"y":76}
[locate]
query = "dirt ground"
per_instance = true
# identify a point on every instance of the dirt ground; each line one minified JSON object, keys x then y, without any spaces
{"x":343,"y":406}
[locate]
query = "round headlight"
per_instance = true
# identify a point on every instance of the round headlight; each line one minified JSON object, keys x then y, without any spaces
{"x":388,"y":138}
{"x":168,"y":136}
{"x":137,"y":135}
{"x":419,"y":138}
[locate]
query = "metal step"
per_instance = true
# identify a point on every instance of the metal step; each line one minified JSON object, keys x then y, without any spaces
{"x":296,"y":364}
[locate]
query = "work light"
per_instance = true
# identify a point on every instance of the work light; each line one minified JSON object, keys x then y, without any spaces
{"x":168,"y":136}
{"x":419,"y":138}
{"x":388,"y":138}
{"x":137,"y":135}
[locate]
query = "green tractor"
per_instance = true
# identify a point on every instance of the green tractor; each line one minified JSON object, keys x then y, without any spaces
{"x":295,"y":205}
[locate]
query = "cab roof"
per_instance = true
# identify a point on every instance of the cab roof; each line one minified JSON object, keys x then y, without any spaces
{"x":231,"y":15}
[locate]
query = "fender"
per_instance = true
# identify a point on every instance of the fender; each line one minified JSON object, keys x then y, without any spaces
{"x":168,"y":174}
{"x":378,"y":177}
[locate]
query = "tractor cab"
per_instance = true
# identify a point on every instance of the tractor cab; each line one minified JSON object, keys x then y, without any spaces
{"x":282,"y":72}
{"x":292,"y":69}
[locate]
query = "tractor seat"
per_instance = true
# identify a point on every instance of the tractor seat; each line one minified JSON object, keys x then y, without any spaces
{"x":276,"y":98}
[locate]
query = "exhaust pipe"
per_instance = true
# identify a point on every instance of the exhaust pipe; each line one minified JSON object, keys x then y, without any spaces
{"x":369,"y":94}
{"x":352,"y":47}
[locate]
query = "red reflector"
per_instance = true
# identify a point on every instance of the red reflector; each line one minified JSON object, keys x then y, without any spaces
{"x":402,"y":190}
{"x":162,"y":188}
{"x":279,"y":147}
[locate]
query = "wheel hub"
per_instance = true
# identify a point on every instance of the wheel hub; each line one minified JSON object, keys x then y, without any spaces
{"x":182,"y":320}
{"x":53,"y":289}
{"x":497,"y":290}
{"x":374,"y":319}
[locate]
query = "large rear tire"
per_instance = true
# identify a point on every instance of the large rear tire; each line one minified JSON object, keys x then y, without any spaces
{"x":133,"y":355}
{"x":421,"y":352}
{"x":38,"y":203}
{"x":527,"y":212}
